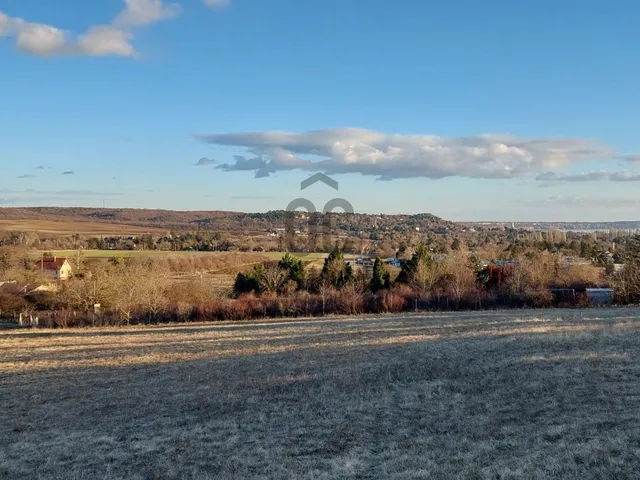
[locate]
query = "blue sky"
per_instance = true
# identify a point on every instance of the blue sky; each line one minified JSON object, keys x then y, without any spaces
{"x":468,"y":110}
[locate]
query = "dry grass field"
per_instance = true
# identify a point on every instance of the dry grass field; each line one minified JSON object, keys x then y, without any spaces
{"x":504,"y":395}
{"x":69,"y":227}
{"x":100,"y":254}
{"x":108,"y":254}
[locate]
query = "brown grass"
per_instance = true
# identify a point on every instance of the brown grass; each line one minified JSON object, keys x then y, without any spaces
{"x":70,"y":227}
{"x":504,"y":395}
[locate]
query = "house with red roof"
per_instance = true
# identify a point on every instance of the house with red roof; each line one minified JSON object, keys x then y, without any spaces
{"x":58,"y":268}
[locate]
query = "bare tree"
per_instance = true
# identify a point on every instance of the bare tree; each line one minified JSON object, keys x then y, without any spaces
{"x":94,"y":289}
{"x":423,"y":277}
{"x":137,"y":284}
{"x":325,"y":287}
{"x":153,"y":288}
{"x":354,"y":294}
{"x":627,"y":282}
{"x":271,"y":279}
{"x":459,"y":277}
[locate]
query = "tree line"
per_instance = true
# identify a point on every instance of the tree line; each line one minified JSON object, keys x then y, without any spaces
{"x":144,"y":290}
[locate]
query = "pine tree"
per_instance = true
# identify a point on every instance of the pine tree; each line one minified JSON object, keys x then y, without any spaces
{"x":421,"y":257}
{"x":379,"y":274}
{"x":387,"y":281}
{"x":248,"y":282}
{"x":335,"y":269}
{"x":294,"y":268}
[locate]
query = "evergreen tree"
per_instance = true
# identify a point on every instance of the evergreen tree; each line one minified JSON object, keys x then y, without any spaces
{"x":248,"y":282}
{"x":379,"y":274}
{"x":387,"y":280}
{"x":294,"y":268}
{"x":421,"y":257}
{"x":335,"y":269}
{"x":584,"y":249}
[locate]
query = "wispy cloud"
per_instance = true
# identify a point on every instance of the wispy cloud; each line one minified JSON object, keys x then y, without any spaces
{"x":592,"y":202}
{"x":22,"y":177}
{"x":99,"y":40}
{"x":393,"y":156}
{"x":205,"y":161}
{"x":40,"y":167}
{"x":600,"y":176}
{"x":68,"y":172}
{"x":630,"y":158}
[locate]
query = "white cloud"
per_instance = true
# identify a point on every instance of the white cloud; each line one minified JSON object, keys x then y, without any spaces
{"x":105,"y":40}
{"x":41,"y":40}
{"x":391,"y":156}
{"x":144,"y":12}
{"x":99,"y":40}
{"x":9,"y":26}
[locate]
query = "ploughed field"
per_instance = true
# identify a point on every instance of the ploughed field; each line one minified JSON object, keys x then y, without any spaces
{"x":491,"y":395}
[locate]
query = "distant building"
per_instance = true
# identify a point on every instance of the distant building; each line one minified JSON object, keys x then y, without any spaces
{"x":394,"y":262}
{"x":58,"y":268}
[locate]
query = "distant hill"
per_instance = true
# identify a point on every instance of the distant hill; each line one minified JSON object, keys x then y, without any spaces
{"x":79,"y":218}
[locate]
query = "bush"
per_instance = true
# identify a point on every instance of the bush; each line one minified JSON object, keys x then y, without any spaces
{"x":539,"y":299}
{"x":349,"y":304}
{"x":393,"y":302}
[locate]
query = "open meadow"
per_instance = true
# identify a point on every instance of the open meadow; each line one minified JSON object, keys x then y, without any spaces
{"x":489,"y":395}
{"x":107,"y":254}
{"x":69,"y":227}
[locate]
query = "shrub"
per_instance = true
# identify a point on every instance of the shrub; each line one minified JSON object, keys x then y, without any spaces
{"x":393,"y":302}
{"x":11,"y":305}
